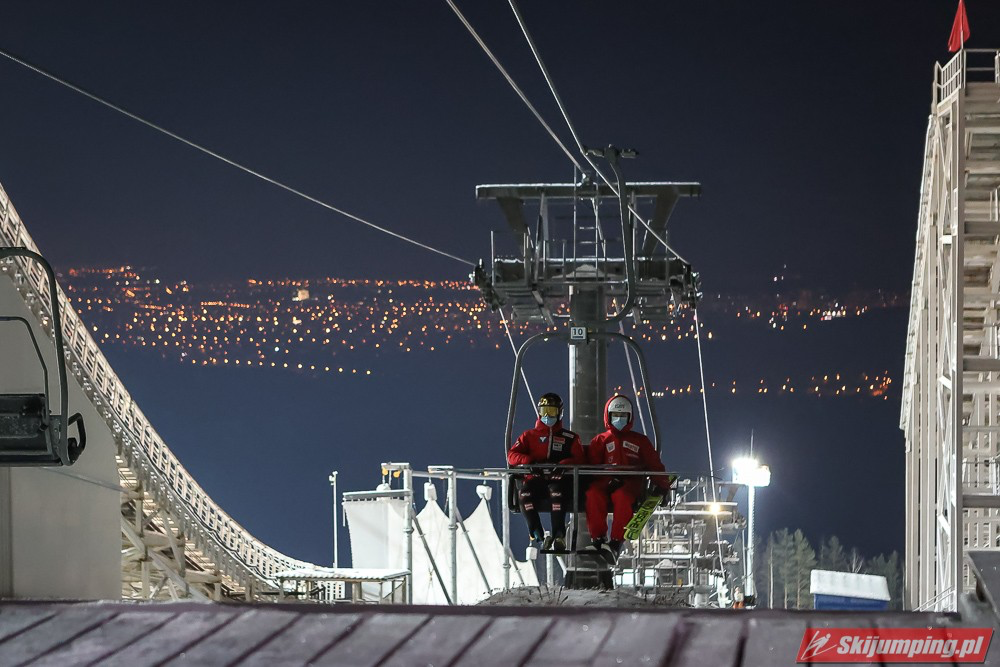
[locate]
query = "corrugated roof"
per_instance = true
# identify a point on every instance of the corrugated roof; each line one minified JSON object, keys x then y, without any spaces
{"x":848,"y":584}
{"x":116,"y":633}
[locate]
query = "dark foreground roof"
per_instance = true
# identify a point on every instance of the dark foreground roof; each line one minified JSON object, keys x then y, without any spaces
{"x":117,"y":633}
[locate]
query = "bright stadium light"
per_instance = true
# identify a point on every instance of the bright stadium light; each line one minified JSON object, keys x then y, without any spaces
{"x":748,"y":471}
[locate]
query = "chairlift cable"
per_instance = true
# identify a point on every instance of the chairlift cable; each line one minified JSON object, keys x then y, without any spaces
{"x":513,"y":84}
{"x":572,"y":128}
{"x":222,"y":158}
{"x":708,"y":436}
{"x":548,"y":78}
{"x":111,"y":486}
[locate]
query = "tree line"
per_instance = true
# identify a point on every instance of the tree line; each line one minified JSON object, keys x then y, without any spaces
{"x":782,"y":571}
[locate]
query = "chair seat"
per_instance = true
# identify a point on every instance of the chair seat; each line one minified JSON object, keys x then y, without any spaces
{"x":25,"y":438}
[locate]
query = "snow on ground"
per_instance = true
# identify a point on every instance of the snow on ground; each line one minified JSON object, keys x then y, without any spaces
{"x":559,"y":596}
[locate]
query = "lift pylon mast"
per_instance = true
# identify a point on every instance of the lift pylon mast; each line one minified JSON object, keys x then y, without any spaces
{"x":567,"y":269}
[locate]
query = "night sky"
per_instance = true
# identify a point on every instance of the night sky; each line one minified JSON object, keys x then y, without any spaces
{"x":804,"y":121}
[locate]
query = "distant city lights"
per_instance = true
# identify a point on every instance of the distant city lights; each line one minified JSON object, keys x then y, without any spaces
{"x":345,"y":326}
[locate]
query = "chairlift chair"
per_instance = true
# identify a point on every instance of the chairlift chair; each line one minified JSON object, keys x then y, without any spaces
{"x":30,"y":433}
{"x":577,"y":500}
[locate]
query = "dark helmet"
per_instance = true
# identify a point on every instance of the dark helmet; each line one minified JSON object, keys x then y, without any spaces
{"x":550,"y":403}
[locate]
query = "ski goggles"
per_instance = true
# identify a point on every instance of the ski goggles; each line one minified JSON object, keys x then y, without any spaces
{"x":548,"y":411}
{"x":623,"y":415}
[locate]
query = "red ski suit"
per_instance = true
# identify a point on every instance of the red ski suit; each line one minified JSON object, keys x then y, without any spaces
{"x":544,"y":444}
{"x":620,"y":448}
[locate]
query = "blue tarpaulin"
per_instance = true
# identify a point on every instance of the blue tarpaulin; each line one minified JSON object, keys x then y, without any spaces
{"x":829,"y":602}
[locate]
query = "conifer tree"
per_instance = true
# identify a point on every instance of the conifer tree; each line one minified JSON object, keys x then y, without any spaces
{"x":832,"y":556}
{"x":784,"y":566}
{"x":891,"y":570}
{"x":803,"y":563}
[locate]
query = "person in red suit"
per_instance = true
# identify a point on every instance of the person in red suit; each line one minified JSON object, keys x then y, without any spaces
{"x":618,"y":446}
{"x":547,"y":443}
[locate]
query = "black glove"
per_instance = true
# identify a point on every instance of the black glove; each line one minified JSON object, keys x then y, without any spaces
{"x":654,"y":490}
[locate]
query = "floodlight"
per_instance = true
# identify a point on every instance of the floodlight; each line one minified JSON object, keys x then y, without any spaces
{"x":749,"y":471}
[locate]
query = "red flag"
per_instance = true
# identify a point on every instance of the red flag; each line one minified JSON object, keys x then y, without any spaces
{"x":960,"y":29}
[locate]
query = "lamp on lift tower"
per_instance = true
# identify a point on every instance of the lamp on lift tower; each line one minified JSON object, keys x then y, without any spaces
{"x":749,"y":471}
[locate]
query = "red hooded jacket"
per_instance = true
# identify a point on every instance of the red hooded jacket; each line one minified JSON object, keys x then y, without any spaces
{"x":625,"y":448}
{"x":544,"y":444}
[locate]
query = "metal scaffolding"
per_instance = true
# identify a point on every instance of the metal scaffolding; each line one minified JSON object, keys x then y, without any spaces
{"x":951,"y":385}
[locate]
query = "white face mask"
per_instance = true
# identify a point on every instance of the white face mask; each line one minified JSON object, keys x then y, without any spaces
{"x":619,"y":422}
{"x":549,"y":421}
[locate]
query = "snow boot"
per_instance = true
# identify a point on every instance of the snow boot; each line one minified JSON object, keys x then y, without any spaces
{"x":610,"y":550}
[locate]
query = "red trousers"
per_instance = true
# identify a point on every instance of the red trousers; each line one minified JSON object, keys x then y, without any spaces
{"x":620,"y":501}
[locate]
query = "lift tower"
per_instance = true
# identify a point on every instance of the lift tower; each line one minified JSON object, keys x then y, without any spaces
{"x":566,"y":269}
{"x":586,"y":262}
{"x":951,"y":382}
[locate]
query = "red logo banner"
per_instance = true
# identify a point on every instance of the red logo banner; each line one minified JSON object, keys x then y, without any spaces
{"x":913,"y":645}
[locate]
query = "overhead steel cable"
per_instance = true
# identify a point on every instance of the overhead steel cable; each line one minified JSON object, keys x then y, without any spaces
{"x":513,"y":84}
{"x":222,"y":158}
{"x":708,"y":438}
{"x":548,"y":78}
{"x":572,"y":128}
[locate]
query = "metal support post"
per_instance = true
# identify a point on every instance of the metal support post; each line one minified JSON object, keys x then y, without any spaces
{"x":430,"y":557}
{"x":336,"y":527}
{"x":750,"y":588}
{"x":453,"y":531}
{"x":475,"y":556}
{"x":505,"y":523}
{"x":408,"y":529}
{"x":588,"y":363}
{"x":588,"y":386}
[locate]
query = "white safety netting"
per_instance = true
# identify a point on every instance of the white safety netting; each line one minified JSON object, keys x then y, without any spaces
{"x":378,"y":540}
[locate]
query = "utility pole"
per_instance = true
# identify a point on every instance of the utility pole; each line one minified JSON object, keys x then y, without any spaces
{"x":770,"y":578}
{"x":336,"y":524}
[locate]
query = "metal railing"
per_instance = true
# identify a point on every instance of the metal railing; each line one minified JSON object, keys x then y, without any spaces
{"x":236,"y":553}
{"x":953,"y":75}
{"x":943,"y":601}
{"x":981,"y":474}
{"x":503,"y":476}
{"x":923,"y":246}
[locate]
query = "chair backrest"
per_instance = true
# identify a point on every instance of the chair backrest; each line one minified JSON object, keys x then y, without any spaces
{"x":30,"y":434}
